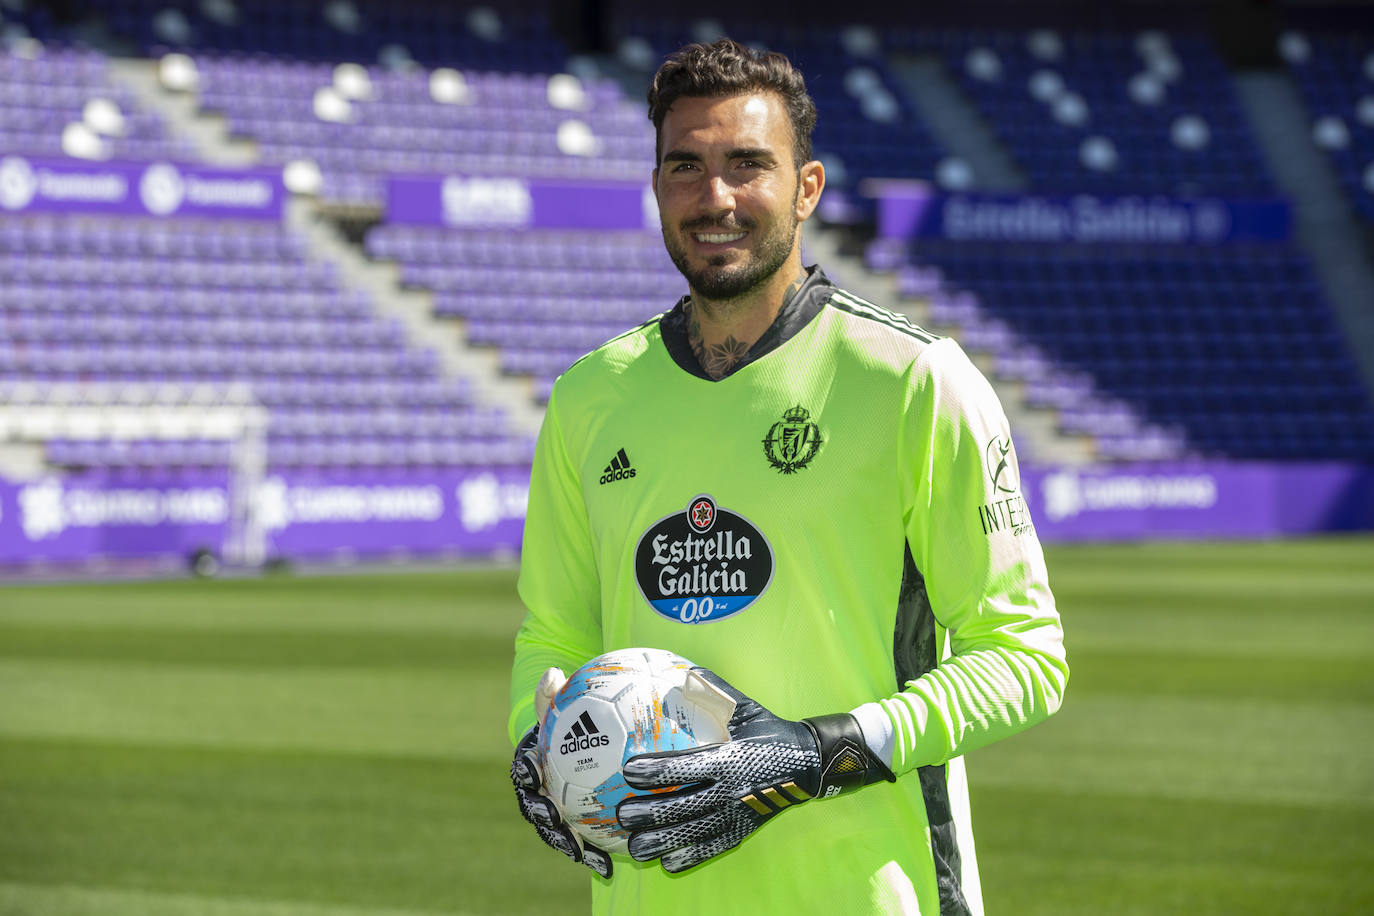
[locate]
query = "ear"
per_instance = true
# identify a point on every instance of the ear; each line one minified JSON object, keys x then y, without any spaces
{"x":809,"y":188}
{"x":653,"y":181}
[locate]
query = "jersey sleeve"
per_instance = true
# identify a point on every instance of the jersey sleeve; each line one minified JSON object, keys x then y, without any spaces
{"x":558,"y":582}
{"x":1003,"y":667}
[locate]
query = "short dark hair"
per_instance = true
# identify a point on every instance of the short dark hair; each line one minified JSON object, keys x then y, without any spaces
{"x":725,"y":68}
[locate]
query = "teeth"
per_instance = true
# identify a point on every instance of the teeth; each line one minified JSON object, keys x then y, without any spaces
{"x":716,"y":238}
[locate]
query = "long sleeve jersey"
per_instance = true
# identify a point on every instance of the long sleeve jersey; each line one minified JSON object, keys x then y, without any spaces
{"x":837,"y":525}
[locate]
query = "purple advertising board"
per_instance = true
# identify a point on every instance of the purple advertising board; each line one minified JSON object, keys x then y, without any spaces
{"x":915,"y":210}
{"x":376,"y":513}
{"x":112,"y":514}
{"x":304,"y":514}
{"x":1196,"y":500}
{"x":468,"y":200}
{"x":29,"y":185}
{"x":382,"y":513}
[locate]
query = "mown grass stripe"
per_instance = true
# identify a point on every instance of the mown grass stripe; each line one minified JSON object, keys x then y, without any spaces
{"x":18,"y":899}
{"x":290,"y":826}
{"x":1193,"y":747}
{"x":1077,"y":852}
{"x":462,"y":601}
{"x":1205,"y":674}
{"x":422,"y":712}
{"x":267,"y":648}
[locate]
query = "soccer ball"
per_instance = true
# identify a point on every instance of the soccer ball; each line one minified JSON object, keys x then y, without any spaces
{"x":623,"y":703}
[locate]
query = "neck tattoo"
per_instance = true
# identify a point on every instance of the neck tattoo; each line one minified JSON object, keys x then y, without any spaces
{"x":720,"y":359}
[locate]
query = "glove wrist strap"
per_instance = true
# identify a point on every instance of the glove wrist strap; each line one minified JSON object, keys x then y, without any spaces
{"x":847,"y":762}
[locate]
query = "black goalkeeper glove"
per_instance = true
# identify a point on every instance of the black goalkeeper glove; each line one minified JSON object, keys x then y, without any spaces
{"x":538,"y":808}
{"x":729,"y":790}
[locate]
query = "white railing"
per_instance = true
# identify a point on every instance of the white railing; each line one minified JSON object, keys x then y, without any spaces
{"x":34,"y":412}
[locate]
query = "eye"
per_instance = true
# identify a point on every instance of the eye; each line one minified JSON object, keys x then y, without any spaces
{"x":684,"y":166}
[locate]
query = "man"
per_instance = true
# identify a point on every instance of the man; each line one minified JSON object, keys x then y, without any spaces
{"x":876,"y":629}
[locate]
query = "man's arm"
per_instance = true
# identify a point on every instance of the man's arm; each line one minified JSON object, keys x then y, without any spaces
{"x":562,"y":627}
{"x":973,"y":542}
{"x":558,"y":584}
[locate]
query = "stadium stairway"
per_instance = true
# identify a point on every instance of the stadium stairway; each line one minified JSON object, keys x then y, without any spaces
{"x":955,"y":123}
{"x":415,"y":310}
{"x":328,"y":243}
{"x":209,"y":134}
{"x":1323,"y":221}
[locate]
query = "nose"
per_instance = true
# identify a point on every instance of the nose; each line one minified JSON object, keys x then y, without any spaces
{"x":717,"y":196}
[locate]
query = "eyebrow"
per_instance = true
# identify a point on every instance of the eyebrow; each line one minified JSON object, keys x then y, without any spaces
{"x":749,"y":152}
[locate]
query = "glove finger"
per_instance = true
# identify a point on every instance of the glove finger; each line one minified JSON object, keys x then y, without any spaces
{"x":665,"y":769}
{"x":538,"y":809}
{"x":723,"y":685}
{"x":683,"y":859}
{"x":549,"y":684}
{"x":562,"y":839}
{"x":645,"y":845}
{"x":643,"y":812}
{"x":596,"y":860}
{"x":524,"y":772}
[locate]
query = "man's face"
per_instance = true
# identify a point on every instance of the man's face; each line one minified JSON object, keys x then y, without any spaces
{"x":727,"y":191}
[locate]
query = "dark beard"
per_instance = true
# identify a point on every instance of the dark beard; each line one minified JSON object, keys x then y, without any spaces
{"x":714,"y":283}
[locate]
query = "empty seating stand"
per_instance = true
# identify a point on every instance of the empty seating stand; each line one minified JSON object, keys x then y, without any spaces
{"x":542,"y":298}
{"x":493,"y":123}
{"x":1233,"y":346}
{"x":179,"y":300}
{"x":1335,"y":72}
{"x":1135,"y":111}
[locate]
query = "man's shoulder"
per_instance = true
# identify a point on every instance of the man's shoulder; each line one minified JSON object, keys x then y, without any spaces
{"x":868,"y":322}
{"x":614,"y":357}
{"x":891,"y":344}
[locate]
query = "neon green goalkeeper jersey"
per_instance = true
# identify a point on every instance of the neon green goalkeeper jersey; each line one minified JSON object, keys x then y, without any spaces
{"x":836,"y":525}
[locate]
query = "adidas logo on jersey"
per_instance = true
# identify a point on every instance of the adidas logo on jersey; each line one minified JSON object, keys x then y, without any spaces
{"x":618,"y":469}
{"x":583,"y":735}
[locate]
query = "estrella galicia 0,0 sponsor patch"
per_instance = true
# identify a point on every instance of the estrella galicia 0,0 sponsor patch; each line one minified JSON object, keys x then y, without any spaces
{"x":702,"y":564}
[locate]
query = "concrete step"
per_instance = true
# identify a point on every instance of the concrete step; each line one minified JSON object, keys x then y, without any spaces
{"x":209,"y":134}
{"x":415,"y":310}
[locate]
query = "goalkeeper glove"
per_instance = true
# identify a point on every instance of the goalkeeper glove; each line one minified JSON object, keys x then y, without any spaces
{"x":535,"y":805}
{"x":729,"y":790}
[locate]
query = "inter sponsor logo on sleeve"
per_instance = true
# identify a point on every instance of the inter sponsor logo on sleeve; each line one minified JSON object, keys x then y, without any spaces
{"x":702,"y":564}
{"x":1006,"y":509}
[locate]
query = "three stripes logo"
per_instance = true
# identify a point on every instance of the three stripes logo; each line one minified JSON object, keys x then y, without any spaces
{"x":583,"y":736}
{"x":618,"y":469}
{"x":776,"y":798}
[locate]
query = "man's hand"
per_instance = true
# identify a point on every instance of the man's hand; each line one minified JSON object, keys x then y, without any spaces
{"x":729,"y":790}
{"x":535,"y":806}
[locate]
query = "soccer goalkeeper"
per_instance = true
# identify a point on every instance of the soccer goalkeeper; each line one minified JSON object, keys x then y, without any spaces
{"x":815,"y":501}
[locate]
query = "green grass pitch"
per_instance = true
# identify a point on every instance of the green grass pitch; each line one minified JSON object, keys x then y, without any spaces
{"x":334,"y":746}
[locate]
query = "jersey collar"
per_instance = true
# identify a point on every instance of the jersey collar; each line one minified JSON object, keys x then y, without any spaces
{"x":795,"y":315}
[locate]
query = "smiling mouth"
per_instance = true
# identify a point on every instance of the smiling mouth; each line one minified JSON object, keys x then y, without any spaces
{"x":718,"y":238}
